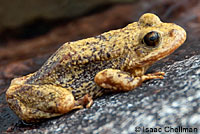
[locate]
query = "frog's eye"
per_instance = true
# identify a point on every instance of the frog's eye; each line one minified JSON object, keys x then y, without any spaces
{"x":152,"y":39}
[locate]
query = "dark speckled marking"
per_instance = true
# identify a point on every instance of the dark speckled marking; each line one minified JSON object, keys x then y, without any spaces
{"x":101,"y":37}
{"x":108,"y":55}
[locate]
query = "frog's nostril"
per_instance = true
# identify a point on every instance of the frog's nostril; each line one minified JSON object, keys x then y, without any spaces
{"x":172,"y":32}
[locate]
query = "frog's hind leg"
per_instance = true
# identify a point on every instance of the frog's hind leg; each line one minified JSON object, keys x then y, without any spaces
{"x":29,"y":114}
{"x":35,"y":102}
{"x":117,"y":80}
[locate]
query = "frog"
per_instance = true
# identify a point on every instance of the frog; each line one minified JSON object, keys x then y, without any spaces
{"x":82,"y":70}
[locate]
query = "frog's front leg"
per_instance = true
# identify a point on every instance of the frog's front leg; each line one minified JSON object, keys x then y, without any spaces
{"x":117,"y":80}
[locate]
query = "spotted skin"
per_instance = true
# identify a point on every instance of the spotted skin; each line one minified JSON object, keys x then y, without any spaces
{"x":85,"y":69}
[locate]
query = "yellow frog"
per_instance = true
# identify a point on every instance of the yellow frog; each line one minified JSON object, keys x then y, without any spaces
{"x":82,"y":70}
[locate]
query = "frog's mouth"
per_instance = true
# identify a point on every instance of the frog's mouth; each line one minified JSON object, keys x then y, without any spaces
{"x":164,"y":50}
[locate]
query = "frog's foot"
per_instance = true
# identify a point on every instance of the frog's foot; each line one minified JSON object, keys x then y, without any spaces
{"x":117,"y":80}
{"x":86,"y":101}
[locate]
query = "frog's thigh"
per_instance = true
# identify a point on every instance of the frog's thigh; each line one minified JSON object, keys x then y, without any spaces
{"x":118,"y":80}
{"x":29,"y":114}
{"x":33,"y":102}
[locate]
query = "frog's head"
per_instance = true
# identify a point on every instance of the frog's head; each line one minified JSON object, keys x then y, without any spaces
{"x":156,"y":39}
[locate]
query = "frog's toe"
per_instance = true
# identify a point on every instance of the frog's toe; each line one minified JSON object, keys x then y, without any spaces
{"x":90,"y":101}
{"x":86,"y":101}
{"x":156,"y":75}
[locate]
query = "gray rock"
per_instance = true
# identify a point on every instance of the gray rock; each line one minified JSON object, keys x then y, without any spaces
{"x":164,"y":104}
